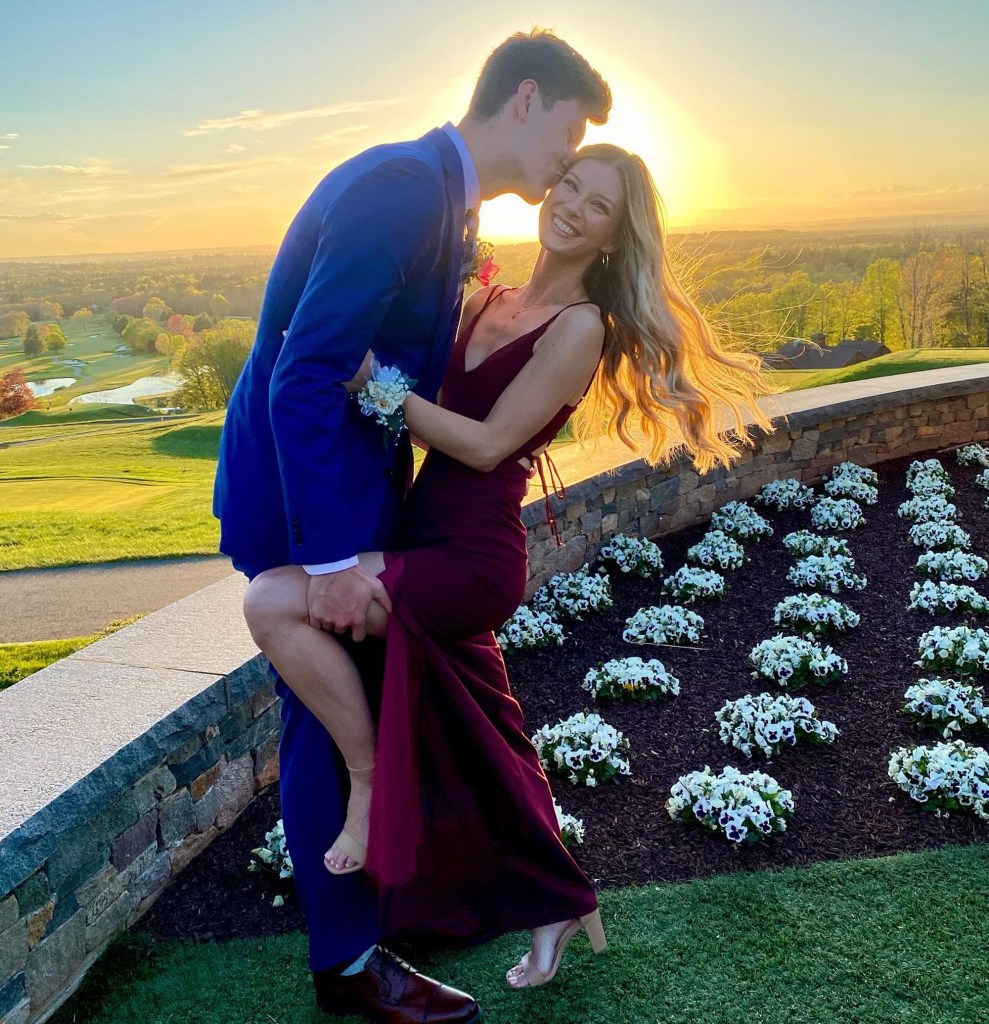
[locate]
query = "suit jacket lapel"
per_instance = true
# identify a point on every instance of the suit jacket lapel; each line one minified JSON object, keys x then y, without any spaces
{"x":448,"y":313}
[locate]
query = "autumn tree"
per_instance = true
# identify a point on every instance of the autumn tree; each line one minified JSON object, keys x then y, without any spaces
{"x":141,"y":335}
{"x":14,"y":324}
{"x":203,"y":322}
{"x":212,"y":363}
{"x":15,"y":396}
{"x":924,"y":293}
{"x":55,"y":341}
{"x":155,"y":309}
{"x":34,"y":339}
{"x":179,"y":323}
{"x":219,"y":305}
{"x":881,"y":306}
{"x":84,"y":314}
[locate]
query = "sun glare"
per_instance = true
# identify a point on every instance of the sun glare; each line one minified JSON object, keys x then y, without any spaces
{"x":686,"y":163}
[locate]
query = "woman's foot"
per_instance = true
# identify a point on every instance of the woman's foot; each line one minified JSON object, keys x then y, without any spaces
{"x":349,"y":849}
{"x":540,"y":964}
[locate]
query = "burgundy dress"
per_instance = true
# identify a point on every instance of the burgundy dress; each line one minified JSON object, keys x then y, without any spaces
{"x":464,"y":841}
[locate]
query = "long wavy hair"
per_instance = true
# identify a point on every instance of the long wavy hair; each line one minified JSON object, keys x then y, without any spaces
{"x":666,"y":381}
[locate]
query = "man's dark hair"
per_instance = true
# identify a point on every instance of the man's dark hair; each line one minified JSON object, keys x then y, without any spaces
{"x":556,"y":67}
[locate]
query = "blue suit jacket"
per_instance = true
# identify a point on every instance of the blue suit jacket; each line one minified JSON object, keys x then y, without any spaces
{"x":372,"y":261}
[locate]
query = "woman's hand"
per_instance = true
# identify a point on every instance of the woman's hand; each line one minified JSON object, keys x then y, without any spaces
{"x":362,"y":376}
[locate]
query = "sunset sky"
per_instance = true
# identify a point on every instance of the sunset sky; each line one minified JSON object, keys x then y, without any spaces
{"x":127,"y":126}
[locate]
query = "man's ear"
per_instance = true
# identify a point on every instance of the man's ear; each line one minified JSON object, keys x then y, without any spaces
{"x":525,"y":96}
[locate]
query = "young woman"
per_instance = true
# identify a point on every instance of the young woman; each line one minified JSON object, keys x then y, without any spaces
{"x":461,"y":836}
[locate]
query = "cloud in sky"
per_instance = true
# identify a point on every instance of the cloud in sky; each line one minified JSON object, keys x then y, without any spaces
{"x":36,"y":218}
{"x":259,"y":121}
{"x":235,"y":147}
{"x":207,"y":172}
{"x":10,"y":135}
{"x":4,"y":147}
{"x":94,"y":169}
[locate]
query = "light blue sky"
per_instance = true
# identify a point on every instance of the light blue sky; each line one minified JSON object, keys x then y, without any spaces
{"x":760,"y":112}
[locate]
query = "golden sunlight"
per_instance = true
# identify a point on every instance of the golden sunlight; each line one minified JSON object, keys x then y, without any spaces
{"x":688,"y":165}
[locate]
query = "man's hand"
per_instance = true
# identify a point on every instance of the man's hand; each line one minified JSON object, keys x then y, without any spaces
{"x":338,"y":601}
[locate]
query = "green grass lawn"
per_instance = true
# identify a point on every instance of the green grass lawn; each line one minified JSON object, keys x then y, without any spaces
{"x":20,"y":660}
{"x":881,"y":366}
{"x":95,"y":344}
{"x":100,"y":491}
{"x":898,"y":940}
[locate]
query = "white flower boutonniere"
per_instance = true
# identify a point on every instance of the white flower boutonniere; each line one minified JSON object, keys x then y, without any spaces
{"x":383,"y":396}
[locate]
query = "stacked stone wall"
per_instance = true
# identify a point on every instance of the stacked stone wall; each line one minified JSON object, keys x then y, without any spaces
{"x":103,"y":851}
{"x":650,"y":502}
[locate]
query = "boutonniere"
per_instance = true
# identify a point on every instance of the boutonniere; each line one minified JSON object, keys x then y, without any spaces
{"x":483,"y":268}
{"x":383,"y":396}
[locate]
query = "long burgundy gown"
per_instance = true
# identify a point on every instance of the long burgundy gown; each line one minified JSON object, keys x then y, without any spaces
{"x":464,"y":841}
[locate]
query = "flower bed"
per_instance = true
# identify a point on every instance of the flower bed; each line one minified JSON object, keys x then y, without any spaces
{"x":846,"y":805}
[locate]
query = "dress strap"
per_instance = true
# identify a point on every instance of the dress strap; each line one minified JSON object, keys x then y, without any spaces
{"x":556,"y":481}
{"x":493,"y":294}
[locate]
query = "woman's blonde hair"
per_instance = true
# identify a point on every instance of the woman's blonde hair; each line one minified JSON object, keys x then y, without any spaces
{"x":664,"y":374}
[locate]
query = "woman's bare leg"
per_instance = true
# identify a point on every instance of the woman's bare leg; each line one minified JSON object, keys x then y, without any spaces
{"x":315,"y":665}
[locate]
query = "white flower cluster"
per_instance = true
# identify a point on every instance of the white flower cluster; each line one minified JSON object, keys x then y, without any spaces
{"x":623,"y":678}
{"x":927,"y":510}
{"x":583,"y":747}
{"x":857,"y":490}
{"x":947,"y":704}
{"x":947,"y":775}
{"x":745,"y":807}
{"x":527,"y":629}
{"x":935,"y":536}
{"x":740,"y":520}
{"x":936,"y":597}
{"x":770,"y":723}
{"x":982,"y":479}
{"x":634,"y":555}
{"x":571,"y":827}
{"x":717,"y":548}
{"x":274,"y":855}
{"x":928,"y":468}
{"x":818,"y":612}
{"x":574,"y":594}
{"x":836,"y":514}
{"x":973,"y":455}
{"x":689,"y":583}
{"x":953,"y":565}
{"x":384,"y":395}
{"x":826,"y":572}
{"x":794,"y":659}
{"x":954,"y":647}
{"x":927,"y":485}
{"x":785,"y":494}
{"x":804,"y":542}
{"x":853,"y":471}
{"x":663,"y":624}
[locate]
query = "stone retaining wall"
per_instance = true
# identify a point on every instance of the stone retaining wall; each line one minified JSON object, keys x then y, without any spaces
{"x":89,"y":862}
{"x":652,"y":502}
{"x":123,"y":761}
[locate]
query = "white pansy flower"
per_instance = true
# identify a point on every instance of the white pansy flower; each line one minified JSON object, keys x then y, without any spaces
{"x":624,"y":678}
{"x":632,"y":555}
{"x":785,"y":494}
{"x":591,"y":749}
{"x":792,"y":660}
{"x":527,"y":629}
{"x":663,"y":624}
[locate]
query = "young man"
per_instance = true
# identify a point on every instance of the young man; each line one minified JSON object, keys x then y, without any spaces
{"x":376,"y":259}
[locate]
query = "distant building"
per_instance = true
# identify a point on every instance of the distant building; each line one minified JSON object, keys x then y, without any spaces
{"x":817,"y":354}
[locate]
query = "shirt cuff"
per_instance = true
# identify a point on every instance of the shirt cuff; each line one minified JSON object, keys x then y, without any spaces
{"x":327,"y":567}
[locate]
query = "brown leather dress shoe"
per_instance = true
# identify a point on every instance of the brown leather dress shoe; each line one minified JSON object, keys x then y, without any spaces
{"x":390,"y":991}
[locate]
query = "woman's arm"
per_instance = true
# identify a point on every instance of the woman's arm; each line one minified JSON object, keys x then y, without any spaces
{"x":561,"y":366}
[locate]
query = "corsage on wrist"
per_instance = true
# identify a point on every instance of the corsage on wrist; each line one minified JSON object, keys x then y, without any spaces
{"x":383,"y":396}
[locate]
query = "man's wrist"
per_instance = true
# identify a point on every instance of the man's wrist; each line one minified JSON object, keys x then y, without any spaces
{"x":326,"y":568}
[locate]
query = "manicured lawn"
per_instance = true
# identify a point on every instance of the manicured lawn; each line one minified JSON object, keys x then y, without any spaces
{"x":101,"y":491}
{"x":20,"y":660}
{"x":882,"y":366}
{"x":900,"y":939}
{"x":93,"y":343}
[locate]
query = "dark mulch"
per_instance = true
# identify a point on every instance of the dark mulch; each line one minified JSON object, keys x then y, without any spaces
{"x":846,"y":806}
